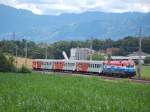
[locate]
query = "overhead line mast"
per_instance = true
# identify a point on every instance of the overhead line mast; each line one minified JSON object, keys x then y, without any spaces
{"x":140,"y":53}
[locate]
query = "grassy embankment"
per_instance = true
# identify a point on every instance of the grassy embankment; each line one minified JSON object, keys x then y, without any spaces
{"x":36,"y":92}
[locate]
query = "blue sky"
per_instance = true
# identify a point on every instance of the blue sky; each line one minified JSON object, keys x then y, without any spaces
{"x":78,"y":6}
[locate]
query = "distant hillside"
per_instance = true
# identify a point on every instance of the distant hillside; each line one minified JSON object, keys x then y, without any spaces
{"x":70,"y":26}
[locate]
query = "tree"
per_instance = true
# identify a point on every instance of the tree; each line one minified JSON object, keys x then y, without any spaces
{"x":97,"y":56}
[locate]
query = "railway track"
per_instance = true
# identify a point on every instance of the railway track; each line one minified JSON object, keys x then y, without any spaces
{"x":102,"y":77}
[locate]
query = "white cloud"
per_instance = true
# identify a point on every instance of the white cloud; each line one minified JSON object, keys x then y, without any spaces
{"x":78,"y":6}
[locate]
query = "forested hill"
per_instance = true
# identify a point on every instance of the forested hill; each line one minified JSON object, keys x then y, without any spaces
{"x":126,"y":45}
{"x":70,"y":26}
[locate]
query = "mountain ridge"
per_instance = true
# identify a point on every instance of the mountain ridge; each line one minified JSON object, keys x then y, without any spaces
{"x":70,"y":26}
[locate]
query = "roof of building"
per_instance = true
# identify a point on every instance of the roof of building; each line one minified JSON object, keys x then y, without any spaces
{"x":137,"y":54}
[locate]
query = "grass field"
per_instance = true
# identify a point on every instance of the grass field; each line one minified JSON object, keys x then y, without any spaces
{"x":57,"y":93}
{"x":146,"y":72}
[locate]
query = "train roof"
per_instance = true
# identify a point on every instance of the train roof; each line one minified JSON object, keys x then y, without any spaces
{"x":59,"y":60}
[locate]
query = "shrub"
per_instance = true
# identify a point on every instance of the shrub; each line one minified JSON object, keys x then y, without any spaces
{"x":6,"y":64}
{"x":24,"y":69}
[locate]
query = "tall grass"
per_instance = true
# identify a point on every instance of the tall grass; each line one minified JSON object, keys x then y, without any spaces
{"x":56,"y":93}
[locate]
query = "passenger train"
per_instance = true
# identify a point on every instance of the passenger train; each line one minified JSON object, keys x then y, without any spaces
{"x":124,"y":68}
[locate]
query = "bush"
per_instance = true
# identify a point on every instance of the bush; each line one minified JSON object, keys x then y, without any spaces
{"x":147,"y":60}
{"x":6,"y":64}
{"x":24,"y":69}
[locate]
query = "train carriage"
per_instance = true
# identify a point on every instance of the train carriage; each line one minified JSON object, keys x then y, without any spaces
{"x":95,"y":67}
{"x":69,"y":65}
{"x":90,"y":66}
{"x":82,"y":66}
{"x":58,"y":65}
{"x":41,"y":64}
{"x":47,"y":65}
{"x":34,"y":65}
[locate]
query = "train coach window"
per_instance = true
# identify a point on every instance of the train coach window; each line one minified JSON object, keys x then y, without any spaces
{"x":89,"y":65}
{"x":95,"y":65}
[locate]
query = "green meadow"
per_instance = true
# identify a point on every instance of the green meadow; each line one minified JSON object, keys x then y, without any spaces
{"x":58,"y":93}
{"x":146,"y":72}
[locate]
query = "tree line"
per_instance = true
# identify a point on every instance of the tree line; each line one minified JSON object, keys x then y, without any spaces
{"x":126,"y":45}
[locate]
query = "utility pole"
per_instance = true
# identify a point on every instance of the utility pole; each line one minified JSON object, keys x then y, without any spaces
{"x":16,"y":55}
{"x":140,"y":53}
{"x":26,"y":52}
{"x":91,"y":47}
{"x":16,"y":49}
{"x":14,"y":36}
{"x":46,"y":51}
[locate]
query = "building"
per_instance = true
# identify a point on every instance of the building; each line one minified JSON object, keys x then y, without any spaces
{"x":110,"y":51}
{"x":80,"y":53}
{"x":135,"y":56}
